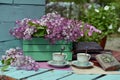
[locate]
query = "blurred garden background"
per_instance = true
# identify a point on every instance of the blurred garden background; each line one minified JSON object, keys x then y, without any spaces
{"x":103,"y":14}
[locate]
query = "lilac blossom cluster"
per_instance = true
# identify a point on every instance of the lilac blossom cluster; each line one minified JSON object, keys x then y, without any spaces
{"x":58,"y":28}
{"x":19,"y":60}
{"x":23,"y":29}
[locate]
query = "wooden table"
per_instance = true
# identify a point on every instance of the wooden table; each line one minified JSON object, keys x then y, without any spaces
{"x":58,"y":74}
{"x":55,"y":74}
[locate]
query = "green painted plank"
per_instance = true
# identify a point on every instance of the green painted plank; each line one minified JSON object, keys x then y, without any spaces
{"x":46,"y":47}
{"x":110,"y":77}
{"x":12,"y":44}
{"x":6,"y":1}
{"x":51,"y":75}
{"x":79,"y":77}
{"x":2,"y":50}
{"x":5,"y":27}
{"x":40,"y":2}
{"x":39,"y":47}
{"x":45,"y":56}
{"x":15,"y":12}
{"x":43,"y":41}
{"x":5,"y":45}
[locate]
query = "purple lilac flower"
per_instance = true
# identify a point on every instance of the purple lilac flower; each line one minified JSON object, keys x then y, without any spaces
{"x":58,"y":28}
{"x":90,"y":29}
{"x":19,"y":60}
{"x":23,"y":29}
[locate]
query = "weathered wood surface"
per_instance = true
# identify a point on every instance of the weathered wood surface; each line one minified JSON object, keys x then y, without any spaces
{"x":38,"y":2}
{"x":94,"y":70}
{"x":6,"y":1}
{"x":12,"y":10}
{"x":49,"y":74}
{"x":54,"y":74}
{"x":17,"y":12}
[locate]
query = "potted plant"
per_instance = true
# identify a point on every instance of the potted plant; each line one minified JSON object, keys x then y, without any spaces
{"x":103,"y":18}
{"x":50,"y":28}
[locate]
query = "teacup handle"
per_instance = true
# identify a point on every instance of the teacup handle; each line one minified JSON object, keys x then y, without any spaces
{"x":89,"y":56}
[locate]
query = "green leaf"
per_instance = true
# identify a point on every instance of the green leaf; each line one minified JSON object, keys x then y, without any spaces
{"x":4,"y":68}
{"x":7,"y":62}
{"x":40,"y":33}
{"x":2,"y":61}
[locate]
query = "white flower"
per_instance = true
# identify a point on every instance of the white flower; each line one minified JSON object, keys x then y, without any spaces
{"x":29,"y":31}
{"x":103,"y":17}
{"x":119,"y":29}
{"x":110,"y":27}
{"x":90,"y":6}
{"x":18,"y":48}
{"x":11,"y":50}
{"x":3,"y":57}
{"x":113,"y":7}
{"x":96,"y":10}
{"x":48,"y":31}
{"x":106,"y":8}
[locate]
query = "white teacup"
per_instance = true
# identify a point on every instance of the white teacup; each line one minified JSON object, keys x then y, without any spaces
{"x":83,"y":59}
{"x":59,"y":58}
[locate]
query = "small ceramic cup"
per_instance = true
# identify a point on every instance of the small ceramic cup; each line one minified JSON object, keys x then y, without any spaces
{"x":83,"y":59}
{"x":59,"y":58}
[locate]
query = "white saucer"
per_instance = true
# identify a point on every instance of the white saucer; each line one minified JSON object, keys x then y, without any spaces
{"x":52,"y":63}
{"x":76,"y":64}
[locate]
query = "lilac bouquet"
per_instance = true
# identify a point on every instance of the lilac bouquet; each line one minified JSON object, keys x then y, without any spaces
{"x":15,"y":58}
{"x":52,"y":27}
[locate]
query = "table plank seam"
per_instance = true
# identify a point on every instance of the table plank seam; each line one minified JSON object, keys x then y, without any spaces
{"x":65,"y":76}
{"x":100,"y":76}
{"x":35,"y":74}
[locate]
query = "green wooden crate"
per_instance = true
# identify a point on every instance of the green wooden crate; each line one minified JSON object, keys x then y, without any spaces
{"x":41,"y":50}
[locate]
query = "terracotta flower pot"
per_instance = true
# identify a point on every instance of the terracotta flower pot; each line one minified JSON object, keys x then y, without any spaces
{"x":103,"y":42}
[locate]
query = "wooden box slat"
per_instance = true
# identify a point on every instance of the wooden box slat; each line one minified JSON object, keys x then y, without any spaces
{"x":41,"y":50}
{"x":43,"y":41}
{"x":45,"y":55}
{"x":45,"y":47}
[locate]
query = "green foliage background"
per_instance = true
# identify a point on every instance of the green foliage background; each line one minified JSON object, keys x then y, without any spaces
{"x":89,"y":18}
